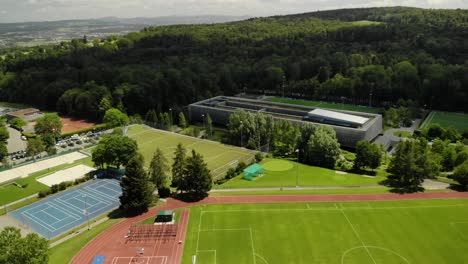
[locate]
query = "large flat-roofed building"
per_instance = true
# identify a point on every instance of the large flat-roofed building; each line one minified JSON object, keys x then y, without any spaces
{"x":323,"y":116}
{"x":350,"y":126}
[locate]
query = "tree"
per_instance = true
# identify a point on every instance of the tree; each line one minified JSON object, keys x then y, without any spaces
{"x":321,"y":148}
{"x":151,"y":118}
{"x":178,"y":166}
{"x":136,"y":189}
{"x":3,"y":151}
{"x":182,"y":120}
{"x":460,"y":174}
{"x":196,"y":176}
{"x":35,"y":146}
{"x":17,"y":123}
{"x":115,"y":118}
{"x":4,"y":134}
{"x":49,"y":124}
{"x":15,"y":249}
{"x":411,"y":163}
{"x":158,"y":169}
{"x":367,"y":155}
{"x":114,"y":149}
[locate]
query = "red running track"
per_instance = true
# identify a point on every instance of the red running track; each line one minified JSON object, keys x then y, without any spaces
{"x":111,"y":242}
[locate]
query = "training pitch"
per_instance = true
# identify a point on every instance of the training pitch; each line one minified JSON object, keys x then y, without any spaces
{"x":59,"y":213}
{"x":447,"y":119}
{"x":219,"y":157}
{"x":383,"y":232}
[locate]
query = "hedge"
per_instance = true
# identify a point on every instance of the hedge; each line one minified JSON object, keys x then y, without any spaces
{"x":85,"y":130}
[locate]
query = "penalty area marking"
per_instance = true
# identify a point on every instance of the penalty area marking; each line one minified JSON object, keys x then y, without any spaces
{"x":372,"y":247}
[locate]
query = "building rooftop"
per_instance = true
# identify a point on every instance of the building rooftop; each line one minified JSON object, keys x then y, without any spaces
{"x":24,"y":112}
{"x":359,"y":120}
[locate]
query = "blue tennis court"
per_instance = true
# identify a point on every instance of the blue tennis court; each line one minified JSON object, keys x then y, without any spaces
{"x":59,"y":213}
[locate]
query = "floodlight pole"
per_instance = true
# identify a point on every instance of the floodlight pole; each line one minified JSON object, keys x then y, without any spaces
{"x":86,"y":208}
{"x":170,"y":110}
{"x":241,"y":128}
{"x":297,"y":169}
{"x":203,"y":117}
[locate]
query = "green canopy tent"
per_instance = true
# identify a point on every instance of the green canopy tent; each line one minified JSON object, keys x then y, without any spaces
{"x":253,"y":171}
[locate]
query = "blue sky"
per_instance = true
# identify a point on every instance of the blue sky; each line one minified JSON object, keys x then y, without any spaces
{"x":42,"y":10}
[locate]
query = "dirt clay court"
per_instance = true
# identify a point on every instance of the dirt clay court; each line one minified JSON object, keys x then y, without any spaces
{"x":72,"y":124}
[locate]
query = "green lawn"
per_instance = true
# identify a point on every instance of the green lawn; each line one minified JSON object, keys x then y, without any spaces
{"x":10,"y":192}
{"x":337,"y":106}
{"x":64,"y":252}
{"x":303,"y":192}
{"x":282,"y":173}
{"x":383,"y":232}
{"x":446,"y":119}
{"x":219,"y":157}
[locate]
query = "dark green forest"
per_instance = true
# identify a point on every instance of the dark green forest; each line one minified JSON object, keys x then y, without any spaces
{"x":361,"y":56}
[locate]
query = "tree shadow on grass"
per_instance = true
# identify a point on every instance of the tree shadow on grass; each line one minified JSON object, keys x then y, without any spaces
{"x":396,"y":186}
{"x":190,"y":197}
{"x":363,"y":172}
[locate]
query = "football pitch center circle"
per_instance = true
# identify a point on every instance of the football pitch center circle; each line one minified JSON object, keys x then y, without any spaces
{"x":370,"y":249}
{"x":278,"y":165}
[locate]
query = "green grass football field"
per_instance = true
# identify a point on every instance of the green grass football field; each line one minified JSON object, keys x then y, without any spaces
{"x":447,"y":119}
{"x":282,"y":173}
{"x":219,"y":157}
{"x":337,"y":106}
{"x":375,"y":232}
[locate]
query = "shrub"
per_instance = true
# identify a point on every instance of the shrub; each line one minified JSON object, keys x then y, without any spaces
{"x":54,"y":188}
{"x":28,"y":135}
{"x":43,"y":193}
{"x":164,"y":192}
{"x":51,"y":150}
{"x":231,"y":173}
{"x":62,"y":186}
{"x":241,"y":166}
{"x":258,"y":157}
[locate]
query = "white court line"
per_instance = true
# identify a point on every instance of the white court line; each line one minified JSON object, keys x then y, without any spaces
{"x":67,"y":212}
{"x":357,"y":234}
{"x":49,"y":215}
{"x":99,"y":193}
{"x":110,"y":189}
{"x":39,"y":221}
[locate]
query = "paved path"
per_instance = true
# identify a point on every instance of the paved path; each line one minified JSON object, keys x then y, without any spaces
{"x":296,"y":188}
{"x":14,"y":141}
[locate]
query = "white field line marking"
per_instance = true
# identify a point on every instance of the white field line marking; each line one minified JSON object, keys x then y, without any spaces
{"x":199,"y":228}
{"x":336,"y":208}
{"x":454,"y":226}
{"x":372,"y":247}
{"x":253,"y":248}
{"x":224,"y":229}
{"x":357,"y":234}
{"x":209,"y":250}
{"x":262,"y":258}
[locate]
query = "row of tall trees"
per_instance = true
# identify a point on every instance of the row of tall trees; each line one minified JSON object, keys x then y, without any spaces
{"x":4,"y":135}
{"x":403,"y":53}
